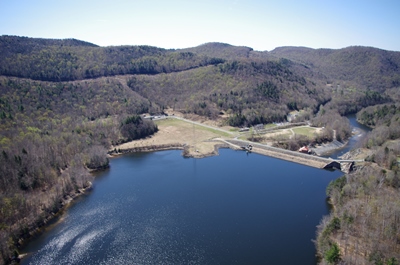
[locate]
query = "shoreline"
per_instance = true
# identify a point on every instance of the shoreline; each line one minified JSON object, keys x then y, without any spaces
{"x":150,"y":148}
{"x":197,"y":140}
{"x":162,"y":147}
{"x":217,"y":143}
{"x":50,"y":219}
{"x":291,"y":156}
{"x":199,"y":148}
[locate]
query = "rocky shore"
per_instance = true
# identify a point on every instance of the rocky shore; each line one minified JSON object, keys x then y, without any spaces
{"x":147,"y":148}
{"x":38,"y":227}
{"x":328,"y":147}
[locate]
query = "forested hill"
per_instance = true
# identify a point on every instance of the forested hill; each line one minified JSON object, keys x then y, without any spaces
{"x":252,"y":86}
{"x":24,"y":44}
{"x":70,"y":59}
{"x":221,"y":50}
{"x":370,"y":67}
{"x":64,"y":103}
{"x":67,"y":60}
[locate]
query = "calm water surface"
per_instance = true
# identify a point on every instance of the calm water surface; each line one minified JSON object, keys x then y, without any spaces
{"x":159,"y":208}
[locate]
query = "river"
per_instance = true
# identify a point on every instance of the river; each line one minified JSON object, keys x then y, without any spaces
{"x":360,"y":131}
{"x":160,"y":208}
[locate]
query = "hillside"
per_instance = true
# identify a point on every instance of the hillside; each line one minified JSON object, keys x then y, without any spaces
{"x":368,"y":67}
{"x":51,"y":135}
{"x":67,"y":60}
{"x":252,"y":92}
{"x":64,"y":103}
{"x":221,"y":50}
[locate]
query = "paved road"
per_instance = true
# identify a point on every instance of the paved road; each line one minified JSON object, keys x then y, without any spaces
{"x":202,"y":124}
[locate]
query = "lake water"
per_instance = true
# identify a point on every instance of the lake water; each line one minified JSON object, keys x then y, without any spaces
{"x":160,"y":208}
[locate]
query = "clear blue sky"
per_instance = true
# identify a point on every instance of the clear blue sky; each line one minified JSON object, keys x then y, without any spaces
{"x":262,"y":25}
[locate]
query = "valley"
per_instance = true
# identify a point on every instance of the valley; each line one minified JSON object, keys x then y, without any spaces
{"x":64,"y":104}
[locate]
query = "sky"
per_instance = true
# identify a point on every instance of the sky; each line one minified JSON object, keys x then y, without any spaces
{"x":261,"y":25}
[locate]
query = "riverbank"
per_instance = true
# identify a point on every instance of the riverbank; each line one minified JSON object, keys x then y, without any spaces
{"x":327,"y":148}
{"x":335,"y":145}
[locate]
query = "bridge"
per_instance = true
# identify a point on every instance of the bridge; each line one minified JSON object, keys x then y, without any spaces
{"x":297,"y":157}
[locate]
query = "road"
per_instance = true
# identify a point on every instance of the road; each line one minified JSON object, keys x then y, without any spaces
{"x":294,"y":156}
{"x":201,"y":124}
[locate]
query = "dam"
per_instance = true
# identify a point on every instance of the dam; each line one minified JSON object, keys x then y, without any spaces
{"x":293,"y":156}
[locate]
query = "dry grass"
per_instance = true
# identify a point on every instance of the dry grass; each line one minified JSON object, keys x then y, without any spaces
{"x":307,"y":131}
{"x":173,"y":131}
{"x":202,"y":140}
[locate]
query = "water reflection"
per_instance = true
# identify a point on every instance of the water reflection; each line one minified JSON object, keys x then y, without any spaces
{"x":159,"y":208}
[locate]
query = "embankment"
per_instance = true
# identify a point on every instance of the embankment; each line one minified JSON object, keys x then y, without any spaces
{"x":296,"y":157}
{"x":146,"y":148}
{"x":328,"y":147}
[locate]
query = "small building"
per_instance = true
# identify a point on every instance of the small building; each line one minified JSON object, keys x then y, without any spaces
{"x":304,"y":150}
{"x":258,"y":127}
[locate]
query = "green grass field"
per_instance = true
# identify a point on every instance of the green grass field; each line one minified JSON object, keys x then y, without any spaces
{"x":189,"y":126}
{"x":307,"y":131}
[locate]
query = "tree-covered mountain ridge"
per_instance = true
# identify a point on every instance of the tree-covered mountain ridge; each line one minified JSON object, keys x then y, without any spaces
{"x":214,"y":76}
{"x":68,"y":60}
{"x":370,"y":67}
{"x":71,"y":59}
{"x":64,"y":103}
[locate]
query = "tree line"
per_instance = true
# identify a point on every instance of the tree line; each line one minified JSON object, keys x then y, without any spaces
{"x":366,"y":216}
{"x":249,"y":92}
{"x":366,"y":67}
{"x":66,"y":60}
{"x":51,"y":135}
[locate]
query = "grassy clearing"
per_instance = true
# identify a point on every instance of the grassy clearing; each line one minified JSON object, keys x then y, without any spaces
{"x":218,"y":133}
{"x":280,"y":136}
{"x":244,"y":137}
{"x":307,"y":131}
{"x":276,"y":136}
{"x":174,"y":131}
{"x":168,"y":122}
{"x":189,"y":127}
{"x":269,"y":125}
